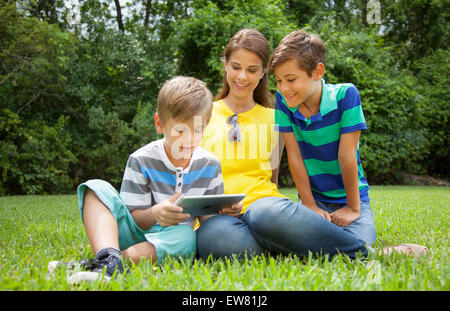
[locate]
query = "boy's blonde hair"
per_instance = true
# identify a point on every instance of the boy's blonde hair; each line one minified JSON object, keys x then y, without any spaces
{"x":182,"y":98}
{"x":308,"y":49}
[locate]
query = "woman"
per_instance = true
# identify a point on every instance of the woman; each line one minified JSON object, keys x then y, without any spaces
{"x":241,"y":134}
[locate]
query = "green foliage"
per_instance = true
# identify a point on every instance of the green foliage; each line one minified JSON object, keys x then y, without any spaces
{"x":111,"y":141}
{"x":111,"y":75}
{"x":396,"y":138}
{"x":34,"y":65}
{"x":90,"y":87}
{"x":433,"y":84}
{"x":201,"y":39}
{"x":81,"y":98}
{"x":416,"y":28}
{"x":35,"y":157}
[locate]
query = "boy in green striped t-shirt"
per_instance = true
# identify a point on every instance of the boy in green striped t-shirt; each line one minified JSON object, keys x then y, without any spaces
{"x":321,"y":125}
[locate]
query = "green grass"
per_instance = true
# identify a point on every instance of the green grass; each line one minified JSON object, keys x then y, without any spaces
{"x":37,"y":229}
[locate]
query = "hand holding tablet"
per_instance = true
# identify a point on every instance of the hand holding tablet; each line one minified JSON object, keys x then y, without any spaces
{"x":207,"y":204}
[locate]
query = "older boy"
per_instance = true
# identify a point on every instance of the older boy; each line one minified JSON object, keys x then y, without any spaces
{"x":321,"y":124}
{"x":143,"y":220}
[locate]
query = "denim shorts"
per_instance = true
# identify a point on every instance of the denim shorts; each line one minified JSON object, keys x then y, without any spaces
{"x":174,"y":241}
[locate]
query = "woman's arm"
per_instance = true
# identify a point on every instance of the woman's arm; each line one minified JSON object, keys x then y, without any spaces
{"x":300,"y":174}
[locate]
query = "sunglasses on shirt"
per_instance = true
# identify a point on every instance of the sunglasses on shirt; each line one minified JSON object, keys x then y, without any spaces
{"x":234,"y":134}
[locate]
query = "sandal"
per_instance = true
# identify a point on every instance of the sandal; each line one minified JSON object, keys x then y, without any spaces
{"x":407,"y":249}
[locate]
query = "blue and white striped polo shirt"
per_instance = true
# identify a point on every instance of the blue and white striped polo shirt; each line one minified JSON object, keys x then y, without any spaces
{"x":151,"y":178}
{"x":318,"y":138}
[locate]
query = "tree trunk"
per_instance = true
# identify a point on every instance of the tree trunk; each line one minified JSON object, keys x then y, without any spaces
{"x":119,"y":15}
{"x":147,"y":13}
{"x":364,"y":11}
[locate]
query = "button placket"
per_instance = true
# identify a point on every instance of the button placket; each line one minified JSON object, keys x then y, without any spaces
{"x":179,"y":182}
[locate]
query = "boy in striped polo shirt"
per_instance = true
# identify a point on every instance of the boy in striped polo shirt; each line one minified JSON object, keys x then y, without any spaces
{"x":143,"y":221}
{"x":321,"y":125}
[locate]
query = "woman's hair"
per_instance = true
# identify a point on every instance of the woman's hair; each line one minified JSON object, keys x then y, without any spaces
{"x":254,"y":41}
{"x":308,"y":49}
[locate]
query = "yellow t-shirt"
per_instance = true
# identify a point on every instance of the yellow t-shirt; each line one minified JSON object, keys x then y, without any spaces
{"x":245,"y":164}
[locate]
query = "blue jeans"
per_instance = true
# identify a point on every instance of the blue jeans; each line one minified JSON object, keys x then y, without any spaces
{"x":279,"y":225}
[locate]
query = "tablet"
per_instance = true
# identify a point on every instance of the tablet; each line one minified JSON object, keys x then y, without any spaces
{"x":207,"y":204}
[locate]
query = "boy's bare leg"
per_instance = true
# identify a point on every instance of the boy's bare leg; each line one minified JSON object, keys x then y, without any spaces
{"x":100,"y":224}
{"x":137,"y":251}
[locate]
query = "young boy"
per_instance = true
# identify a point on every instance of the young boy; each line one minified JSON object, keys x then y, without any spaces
{"x":143,"y":221}
{"x":321,"y":124}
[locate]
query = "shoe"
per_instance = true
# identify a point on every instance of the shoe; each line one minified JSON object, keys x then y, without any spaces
{"x":85,"y":264}
{"x":103,"y":266}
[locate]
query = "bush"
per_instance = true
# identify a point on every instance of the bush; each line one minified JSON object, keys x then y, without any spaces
{"x":111,"y":77}
{"x":74,"y":105}
{"x":34,"y":157}
{"x":433,"y":80}
{"x":92,"y":88}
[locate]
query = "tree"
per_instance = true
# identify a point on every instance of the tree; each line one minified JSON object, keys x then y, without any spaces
{"x":148,"y":6}
{"x":35,"y":146}
{"x":119,"y":15}
{"x":416,"y":28}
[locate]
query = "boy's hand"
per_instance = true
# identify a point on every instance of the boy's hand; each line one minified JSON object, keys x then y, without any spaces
{"x":344,"y":216}
{"x":167,"y":213}
{"x":321,"y":212}
{"x":233,"y":210}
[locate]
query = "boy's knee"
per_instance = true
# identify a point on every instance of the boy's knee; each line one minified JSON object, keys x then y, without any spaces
{"x":141,"y":250}
{"x":89,"y":195}
{"x":98,"y":185}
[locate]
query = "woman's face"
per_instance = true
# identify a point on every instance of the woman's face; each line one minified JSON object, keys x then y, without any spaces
{"x":244,"y":70}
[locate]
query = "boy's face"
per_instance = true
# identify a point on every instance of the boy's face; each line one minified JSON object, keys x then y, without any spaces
{"x":181,"y":137}
{"x":295,"y":84}
{"x":244,"y":70}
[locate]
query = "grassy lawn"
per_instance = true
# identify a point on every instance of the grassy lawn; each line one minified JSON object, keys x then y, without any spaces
{"x":37,"y":229}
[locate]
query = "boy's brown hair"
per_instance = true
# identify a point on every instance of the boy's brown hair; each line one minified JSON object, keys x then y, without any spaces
{"x":308,"y":49}
{"x":182,"y":98}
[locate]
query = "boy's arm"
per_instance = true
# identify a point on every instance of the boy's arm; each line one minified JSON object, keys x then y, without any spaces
{"x":144,"y":218}
{"x":136,"y":194}
{"x":165,"y":213}
{"x":300,"y":174}
{"x":347,"y":159}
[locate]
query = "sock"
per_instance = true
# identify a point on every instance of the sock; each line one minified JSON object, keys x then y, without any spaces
{"x":108,"y":251}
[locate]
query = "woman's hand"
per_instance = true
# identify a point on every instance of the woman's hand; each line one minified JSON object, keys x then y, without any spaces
{"x":167,"y":213}
{"x":233,"y":210}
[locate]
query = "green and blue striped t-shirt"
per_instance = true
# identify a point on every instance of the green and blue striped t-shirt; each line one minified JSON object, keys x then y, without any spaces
{"x":318,"y":138}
